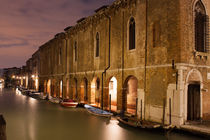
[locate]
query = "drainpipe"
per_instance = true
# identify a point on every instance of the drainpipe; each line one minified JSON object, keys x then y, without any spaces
{"x":66,"y":66}
{"x":145,"y":66}
{"x":108,"y":62}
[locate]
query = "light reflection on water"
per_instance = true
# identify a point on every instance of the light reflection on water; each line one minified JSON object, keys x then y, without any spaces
{"x":31,"y":119}
{"x":113,"y":131}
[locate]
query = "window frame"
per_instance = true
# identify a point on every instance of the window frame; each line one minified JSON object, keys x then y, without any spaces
{"x":97,"y":50}
{"x":131,"y":30}
{"x":200,"y":10}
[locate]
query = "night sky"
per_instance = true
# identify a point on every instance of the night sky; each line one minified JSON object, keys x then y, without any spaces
{"x":27,"y":24}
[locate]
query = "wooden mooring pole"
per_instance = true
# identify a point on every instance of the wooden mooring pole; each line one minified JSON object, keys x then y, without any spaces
{"x":164,"y":105}
{"x":141,"y":110}
{"x":136,"y":106}
{"x":2,"y":128}
{"x":169,"y":110}
{"x":110,"y":103}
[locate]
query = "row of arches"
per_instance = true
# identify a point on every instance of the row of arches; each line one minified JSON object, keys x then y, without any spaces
{"x":90,"y":92}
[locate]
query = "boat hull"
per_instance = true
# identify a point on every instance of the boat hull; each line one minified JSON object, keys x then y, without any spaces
{"x":69,"y":104}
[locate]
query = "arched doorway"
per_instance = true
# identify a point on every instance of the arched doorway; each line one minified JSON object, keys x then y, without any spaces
{"x":193,"y":96}
{"x":130,"y":94}
{"x":75,"y":94}
{"x":49,"y":87}
{"x":45,"y":87}
{"x":84,"y":90}
{"x":113,"y":93}
{"x":193,"y":102}
{"x":37,"y":83}
{"x":95,"y":91}
{"x":61,"y":89}
{"x":53,"y":88}
{"x":67,"y":89}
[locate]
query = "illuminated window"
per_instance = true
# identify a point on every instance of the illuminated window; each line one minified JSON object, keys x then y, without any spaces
{"x":201,"y":28}
{"x":97,"y":45}
{"x":132,"y":34}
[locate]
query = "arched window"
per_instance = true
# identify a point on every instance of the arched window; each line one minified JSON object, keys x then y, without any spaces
{"x":75,"y":51}
{"x":132,"y":33}
{"x":201,"y":28}
{"x":97,"y":84}
{"x":97,"y":45}
{"x":60,"y":54}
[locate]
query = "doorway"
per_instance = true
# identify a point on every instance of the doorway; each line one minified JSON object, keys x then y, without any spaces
{"x":193,"y":102}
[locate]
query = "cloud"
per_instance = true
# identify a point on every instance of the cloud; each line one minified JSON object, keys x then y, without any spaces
{"x":27,"y":24}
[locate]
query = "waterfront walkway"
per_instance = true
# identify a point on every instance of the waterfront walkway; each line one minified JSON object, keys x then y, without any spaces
{"x":202,"y":128}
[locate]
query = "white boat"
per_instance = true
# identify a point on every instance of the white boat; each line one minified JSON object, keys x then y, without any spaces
{"x":34,"y":94}
{"x":54,"y":100}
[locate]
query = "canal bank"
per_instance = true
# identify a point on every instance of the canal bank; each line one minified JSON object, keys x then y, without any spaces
{"x":200,"y":128}
{"x":30,"y":119}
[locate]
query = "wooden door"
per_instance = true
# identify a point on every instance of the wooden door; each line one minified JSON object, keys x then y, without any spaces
{"x":193,"y":106}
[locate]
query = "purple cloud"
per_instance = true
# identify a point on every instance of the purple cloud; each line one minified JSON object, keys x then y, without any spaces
{"x":27,"y":24}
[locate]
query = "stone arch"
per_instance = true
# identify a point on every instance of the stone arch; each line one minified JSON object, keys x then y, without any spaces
{"x":196,"y":2}
{"x":49,"y":87}
{"x":67,"y":89}
{"x":112,"y":93}
{"x":130,"y":89}
{"x":75,"y":89}
{"x":45,"y":86}
{"x":84,"y":90}
{"x":95,"y":91}
{"x":194,"y":77}
{"x":61,"y":89}
{"x":53,"y":87}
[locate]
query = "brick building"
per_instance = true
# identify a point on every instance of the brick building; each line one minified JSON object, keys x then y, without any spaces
{"x":149,"y":58}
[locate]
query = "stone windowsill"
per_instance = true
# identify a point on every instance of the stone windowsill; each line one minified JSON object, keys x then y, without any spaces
{"x":202,"y":55}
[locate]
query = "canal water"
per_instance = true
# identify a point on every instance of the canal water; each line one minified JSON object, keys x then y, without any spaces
{"x":31,"y":119}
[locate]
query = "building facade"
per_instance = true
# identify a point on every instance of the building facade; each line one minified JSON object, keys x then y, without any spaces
{"x":146,"y":58}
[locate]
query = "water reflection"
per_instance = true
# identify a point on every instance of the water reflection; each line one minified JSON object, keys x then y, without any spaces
{"x":113,"y":131}
{"x":1,"y":86}
{"x":30,"y":119}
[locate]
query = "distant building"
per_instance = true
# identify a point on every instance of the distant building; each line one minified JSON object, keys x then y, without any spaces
{"x":10,"y":76}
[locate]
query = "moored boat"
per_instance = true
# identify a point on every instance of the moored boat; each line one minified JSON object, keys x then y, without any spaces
{"x":54,"y":100}
{"x":34,"y":94}
{"x":68,"y":103}
{"x":42,"y":96}
{"x":97,"y":111}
